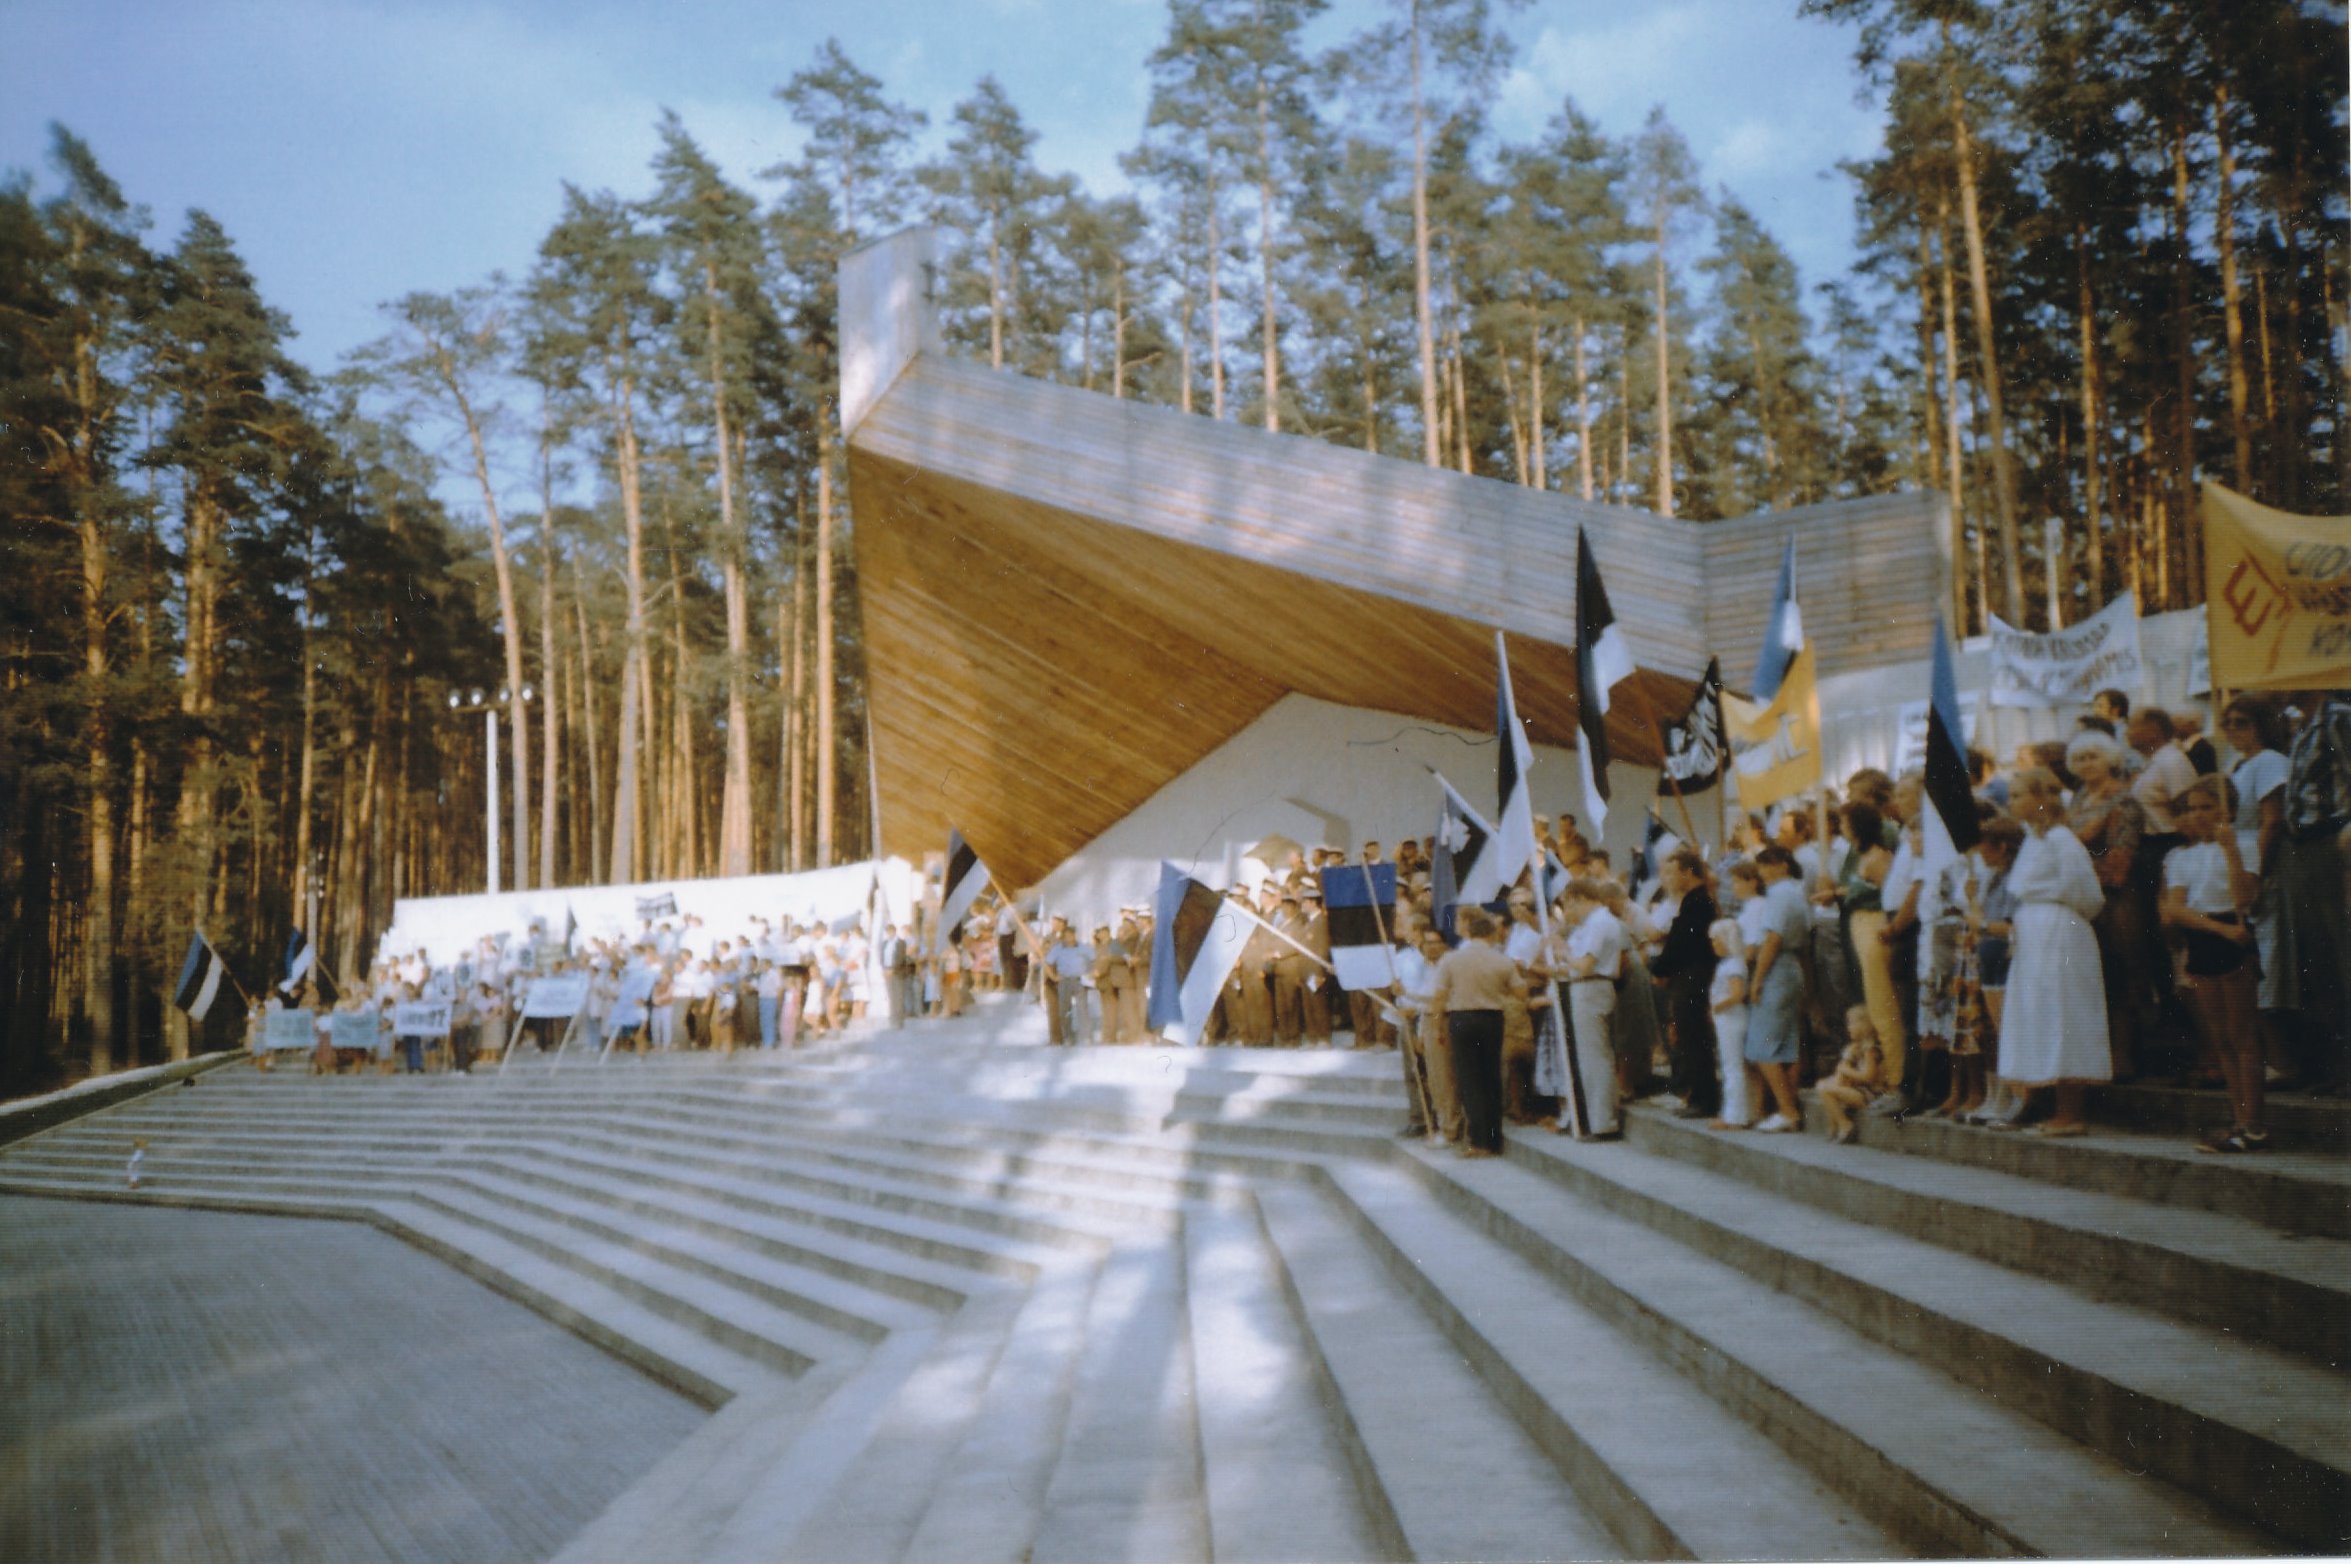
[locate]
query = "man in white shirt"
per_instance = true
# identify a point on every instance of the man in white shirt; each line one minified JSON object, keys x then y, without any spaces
{"x":1595,"y":958}
{"x":1428,"y":1062}
{"x":2168,"y":770}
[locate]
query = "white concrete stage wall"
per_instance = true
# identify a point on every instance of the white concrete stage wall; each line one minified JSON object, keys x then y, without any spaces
{"x":1861,"y":708}
{"x":445,"y":927}
{"x":1321,"y":774}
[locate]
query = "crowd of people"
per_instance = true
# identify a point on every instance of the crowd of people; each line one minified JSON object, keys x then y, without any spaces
{"x":2136,"y":903}
{"x":676,"y":984}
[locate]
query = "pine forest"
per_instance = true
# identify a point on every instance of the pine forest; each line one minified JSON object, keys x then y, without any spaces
{"x":254,"y":617}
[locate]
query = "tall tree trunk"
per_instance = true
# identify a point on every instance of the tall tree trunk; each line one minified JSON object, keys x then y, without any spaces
{"x":550,"y":697}
{"x":2224,"y":230}
{"x":305,"y":789}
{"x":1583,"y":414}
{"x":734,"y":832}
{"x":2183,"y":519}
{"x":1536,"y":410}
{"x":803,"y":616}
{"x":826,"y":736}
{"x":1215,"y":301}
{"x":599,"y":870}
{"x":99,"y":940}
{"x":1423,"y":316}
{"x":684,"y":838}
{"x":1930,"y":402}
{"x":508,"y":608}
{"x":1979,"y":279}
{"x":1118,"y":330}
{"x":1664,"y":373}
{"x":627,"y":856}
{"x":1272,"y":368}
{"x":1184,"y":381}
{"x":2093,"y":420}
{"x":1518,"y":433}
{"x":1953,"y":464}
{"x":995,"y":295}
{"x":194,"y":826}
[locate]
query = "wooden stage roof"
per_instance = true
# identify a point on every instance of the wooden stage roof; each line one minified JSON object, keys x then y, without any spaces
{"x":1069,"y":600}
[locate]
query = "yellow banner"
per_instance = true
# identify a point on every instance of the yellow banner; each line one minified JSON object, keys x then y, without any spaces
{"x":2277,"y":595}
{"x":1775,"y":745}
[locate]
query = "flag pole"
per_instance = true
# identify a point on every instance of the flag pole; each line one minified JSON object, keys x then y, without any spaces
{"x":1577,"y":1121}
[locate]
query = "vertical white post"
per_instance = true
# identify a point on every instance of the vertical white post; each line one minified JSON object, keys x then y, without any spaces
{"x":490,"y":811}
{"x":2052,"y":550}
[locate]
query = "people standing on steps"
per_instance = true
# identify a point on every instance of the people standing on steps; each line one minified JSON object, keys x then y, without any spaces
{"x":1685,"y":962}
{"x":2053,"y":1032}
{"x":1775,"y":1015}
{"x":1475,"y":982}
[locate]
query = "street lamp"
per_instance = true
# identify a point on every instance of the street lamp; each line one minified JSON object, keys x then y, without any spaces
{"x":490,"y":706}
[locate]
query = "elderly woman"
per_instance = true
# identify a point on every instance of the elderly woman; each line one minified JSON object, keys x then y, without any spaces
{"x":2111,"y":825}
{"x":2053,"y":1026}
{"x":1775,"y":1018}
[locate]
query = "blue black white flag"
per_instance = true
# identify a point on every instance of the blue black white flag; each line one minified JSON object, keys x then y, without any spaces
{"x":1602,"y":662}
{"x":1463,"y":868}
{"x":1657,"y":844}
{"x":1951,"y":824}
{"x":966,"y":878}
{"x":1359,"y":901}
{"x":296,"y":964}
{"x":1196,"y":937}
{"x":200,"y":977}
{"x":1514,"y":837}
{"x":1783,"y":632}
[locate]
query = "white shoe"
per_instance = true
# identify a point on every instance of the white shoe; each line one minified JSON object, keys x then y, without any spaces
{"x":1777,"y":1124}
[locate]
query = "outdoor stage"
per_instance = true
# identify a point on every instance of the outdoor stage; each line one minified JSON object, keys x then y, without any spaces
{"x":944,"y":1292}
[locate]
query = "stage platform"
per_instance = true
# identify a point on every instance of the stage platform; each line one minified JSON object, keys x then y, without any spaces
{"x":944,"y":1292}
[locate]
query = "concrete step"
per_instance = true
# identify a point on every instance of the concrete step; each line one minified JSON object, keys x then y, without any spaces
{"x":2292,"y":1191}
{"x":1282,"y":1135}
{"x":688,"y":1360}
{"x":1279,"y":1487}
{"x":1444,"y":1469}
{"x":1620,"y":1425}
{"x":2286,"y":1290}
{"x":2296,"y":1120}
{"x":869,"y":1512}
{"x":2258,"y":1431}
{"x":1946,"y":1468}
{"x":781,"y":1342}
{"x":1263,"y":1099}
{"x":846,"y":1307}
{"x":1127,"y":1489}
{"x":943,"y":1243}
{"x":989,"y":1500}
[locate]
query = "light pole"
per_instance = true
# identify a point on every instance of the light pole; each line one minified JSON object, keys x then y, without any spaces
{"x":490,"y":706}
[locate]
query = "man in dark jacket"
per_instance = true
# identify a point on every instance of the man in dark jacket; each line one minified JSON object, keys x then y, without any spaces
{"x":1685,"y":963}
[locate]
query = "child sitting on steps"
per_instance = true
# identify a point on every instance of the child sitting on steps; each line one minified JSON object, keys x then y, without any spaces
{"x":1860,"y":1075}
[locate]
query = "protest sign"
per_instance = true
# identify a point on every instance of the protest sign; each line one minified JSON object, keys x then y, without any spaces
{"x":664,"y":905}
{"x":2277,"y":595}
{"x":425,"y":1018}
{"x":2066,"y":667}
{"x":361,"y":1030}
{"x":556,"y":998}
{"x":284,"y":1029}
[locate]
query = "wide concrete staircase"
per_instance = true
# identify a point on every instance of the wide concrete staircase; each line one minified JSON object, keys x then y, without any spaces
{"x":954,"y":1295}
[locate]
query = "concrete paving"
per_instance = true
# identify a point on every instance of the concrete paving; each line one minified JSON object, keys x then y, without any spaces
{"x":948,"y":1293}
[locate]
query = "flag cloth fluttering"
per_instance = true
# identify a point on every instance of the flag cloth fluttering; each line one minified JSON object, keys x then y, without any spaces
{"x":1602,"y":662}
{"x":1463,"y":867}
{"x":1514,"y":835}
{"x":1783,"y":632}
{"x":1694,"y":742}
{"x":1657,"y":844}
{"x":1196,"y":936}
{"x":296,"y":964}
{"x":1951,"y":825}
{"x":200,"y":977}
{"x":966,"y":878}
{"x":1360,"y":901}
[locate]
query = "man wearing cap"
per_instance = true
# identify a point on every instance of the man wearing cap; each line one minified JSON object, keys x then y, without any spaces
{"x":1291,"y":970}
{"x":1314,"y":1000}
{"x":1111,"y":977}
{"x":1255,"y":969}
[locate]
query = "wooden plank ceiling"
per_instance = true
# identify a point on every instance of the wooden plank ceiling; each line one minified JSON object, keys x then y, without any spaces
{"x":1037,"y":673}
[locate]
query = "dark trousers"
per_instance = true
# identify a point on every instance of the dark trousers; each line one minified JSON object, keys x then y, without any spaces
{"x":1694,"y":1080}
{"x":1477,"y":1074}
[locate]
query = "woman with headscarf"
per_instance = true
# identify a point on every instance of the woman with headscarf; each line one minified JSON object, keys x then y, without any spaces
{"x":2111,"y":825}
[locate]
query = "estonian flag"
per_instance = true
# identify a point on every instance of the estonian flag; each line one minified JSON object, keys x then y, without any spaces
{"x":1196,"y":936}
{"x":1555,"y":878}
{"x":1657,"y":845}
{"x":1360,"y":901}
{"x":1783,"y":632}
{"x":1514,"y":840}
{"x":966,"y":878}
{"x":1464,"y":868}
{"x":1601,"y":663}
{"x":297,"y":963}
{"x":1951,"y":825}
{"x":200,"y":977}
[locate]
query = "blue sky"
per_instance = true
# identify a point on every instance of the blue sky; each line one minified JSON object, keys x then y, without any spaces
{"x":356,"y":149}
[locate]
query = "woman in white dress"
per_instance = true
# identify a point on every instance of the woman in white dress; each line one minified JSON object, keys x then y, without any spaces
{"x":1727,"y":996}
{"x":2053,"y":1027}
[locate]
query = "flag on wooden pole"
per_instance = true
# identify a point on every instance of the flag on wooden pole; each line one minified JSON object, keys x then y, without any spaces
{"x":1602,"y":663}
{"x":1360,"y":900}
{"x":1514,"y":837}
{"x":1783,"y":632}
{"x":1951,"y":826}
{"x":1196,"y":936}
{"x":1462,"y":870}
{"x":966,"y":878}
{"x":200,"y":977}
{"x":296,"y":963}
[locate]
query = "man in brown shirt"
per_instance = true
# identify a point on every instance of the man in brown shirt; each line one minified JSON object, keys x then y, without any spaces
{"x":1475,"y":983}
